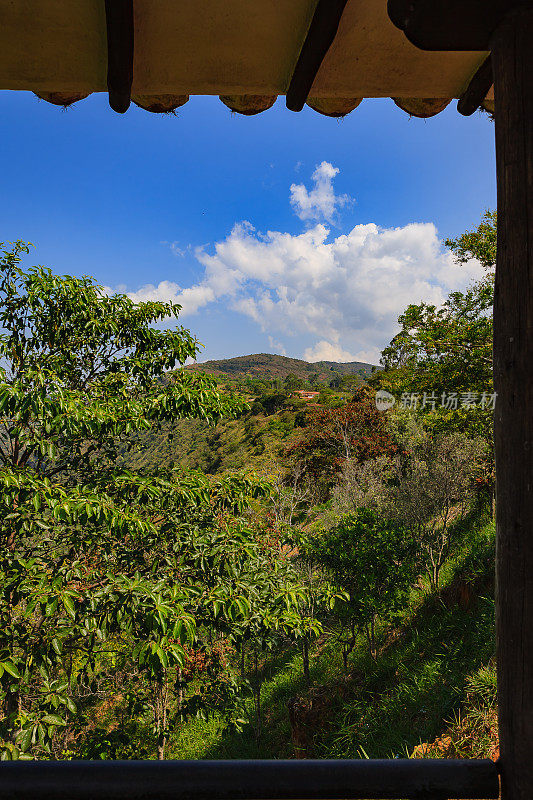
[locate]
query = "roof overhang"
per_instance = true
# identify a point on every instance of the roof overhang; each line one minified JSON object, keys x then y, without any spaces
{"x":243,"y":51}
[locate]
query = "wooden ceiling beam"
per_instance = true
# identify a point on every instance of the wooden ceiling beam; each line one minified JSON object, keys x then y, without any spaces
{"x":320,"y":37}
{"x":451,"y":24}
{"x":477,"y":89}
{"x":120,"y":37}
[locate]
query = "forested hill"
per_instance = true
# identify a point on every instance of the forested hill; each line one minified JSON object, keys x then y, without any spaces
{"x":253,"y":440}
{"x":267,"y":365}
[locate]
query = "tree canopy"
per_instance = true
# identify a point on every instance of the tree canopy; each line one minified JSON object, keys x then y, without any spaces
{"x":331,"y":436}
{"x":441,"y":359}
{"x":449,"y":348}
{"x":99,"y":560}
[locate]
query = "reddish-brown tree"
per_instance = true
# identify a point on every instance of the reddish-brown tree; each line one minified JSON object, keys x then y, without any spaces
{"x":331,"y":437}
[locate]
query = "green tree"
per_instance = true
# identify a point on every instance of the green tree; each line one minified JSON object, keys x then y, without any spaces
{"x":292,"y":382}
{"x":96,"y":560}
{"x":374,"y":561}
{"x":479,"y":243}
{"x":272,"y":402}
{"x":426,"y":488}
{"x":449,"y":348}
{"x":444,"y":355}
{"x":446,"y":349}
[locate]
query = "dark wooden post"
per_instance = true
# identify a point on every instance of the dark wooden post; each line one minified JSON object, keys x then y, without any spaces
{"x":512,"y":57}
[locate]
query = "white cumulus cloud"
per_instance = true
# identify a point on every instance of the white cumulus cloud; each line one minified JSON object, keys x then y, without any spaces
{"x":326,"y":351}
{"x":341,"y":294}
{"x":165,"y":291}
{"x":278,"y":347}
{"x":349,"y":289}
{"x":320,"y":202}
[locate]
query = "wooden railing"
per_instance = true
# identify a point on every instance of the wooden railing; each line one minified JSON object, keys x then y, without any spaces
{"x":438,"y":779}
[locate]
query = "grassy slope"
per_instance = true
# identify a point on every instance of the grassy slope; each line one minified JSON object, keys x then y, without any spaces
{"x":249,"y":443}
{"x":384,"y":708}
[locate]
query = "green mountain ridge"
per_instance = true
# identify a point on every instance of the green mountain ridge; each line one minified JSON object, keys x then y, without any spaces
{"x":269,"y":365}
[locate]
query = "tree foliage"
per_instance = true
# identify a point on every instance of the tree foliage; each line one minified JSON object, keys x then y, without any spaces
{"x":96,"y":559}
{"x":331,"y":436}
{"x":426,"y":488}
{"x":445,"y":352}
{"x":449,"y":349}
{"x":374,"y":560}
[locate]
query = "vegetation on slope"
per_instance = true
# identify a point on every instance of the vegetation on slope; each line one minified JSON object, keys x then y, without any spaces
{"x":110,"y":571}
{"x":431,"y":690}
{"x":269,"y":422}
{"x":431,"y":685}
{"x":251,"y":442}
{"x":268,"y":366}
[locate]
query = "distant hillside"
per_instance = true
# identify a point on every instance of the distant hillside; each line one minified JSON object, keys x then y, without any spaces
{"x":254,"y":439}
{"x":267,"y":365}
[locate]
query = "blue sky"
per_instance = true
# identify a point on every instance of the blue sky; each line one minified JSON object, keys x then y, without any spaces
{"x":199,"y":207}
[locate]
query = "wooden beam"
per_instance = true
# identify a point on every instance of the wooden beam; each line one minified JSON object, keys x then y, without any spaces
{"x":119,"y":23}
{"x":477,"y":89}
{"x":275,"y":779}
{"x":512,"y":58}
{"x":451,"y":24}
{"x":320,"y":36}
